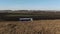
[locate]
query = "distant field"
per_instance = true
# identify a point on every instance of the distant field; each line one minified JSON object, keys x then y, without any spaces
{"x":34,"y":27}
{"x":36,"y":15}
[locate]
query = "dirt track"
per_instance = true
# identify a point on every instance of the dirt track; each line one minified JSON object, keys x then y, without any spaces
{"x":35,"y":27}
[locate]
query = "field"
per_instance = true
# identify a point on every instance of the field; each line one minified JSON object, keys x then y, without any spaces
{"x":7,"y":14}
{"x":34,"y":27}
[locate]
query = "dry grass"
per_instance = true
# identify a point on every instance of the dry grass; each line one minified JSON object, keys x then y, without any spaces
{"x":35,"y":27}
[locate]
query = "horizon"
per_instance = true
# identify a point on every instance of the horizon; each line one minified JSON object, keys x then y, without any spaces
{"x":32,"y":10}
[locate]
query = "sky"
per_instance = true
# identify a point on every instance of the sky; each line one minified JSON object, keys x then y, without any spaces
{"x":29,"y":4}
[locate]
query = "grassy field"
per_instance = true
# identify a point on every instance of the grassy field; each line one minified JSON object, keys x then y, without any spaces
{"x":34,"y":27}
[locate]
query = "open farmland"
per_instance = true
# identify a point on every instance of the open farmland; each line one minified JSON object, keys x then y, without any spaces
{"x":34,"y":27}
{"x":35,"y":14}
{"x":44,"y":22}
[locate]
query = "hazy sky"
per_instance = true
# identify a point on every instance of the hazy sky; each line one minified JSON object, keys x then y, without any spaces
{"x":30,"y":4}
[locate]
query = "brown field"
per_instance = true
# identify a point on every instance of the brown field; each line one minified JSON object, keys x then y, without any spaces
{"x":34,"y":27}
